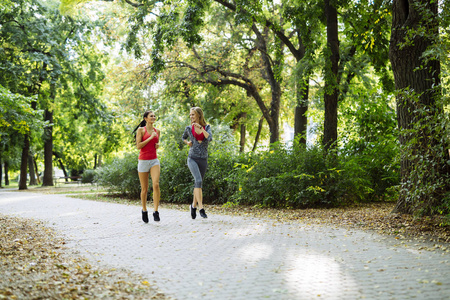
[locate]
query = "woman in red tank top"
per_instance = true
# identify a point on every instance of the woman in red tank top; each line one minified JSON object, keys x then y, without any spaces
{"x":147,"y":138}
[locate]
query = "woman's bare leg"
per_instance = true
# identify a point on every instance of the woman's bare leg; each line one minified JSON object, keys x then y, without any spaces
{"x":155,"y":172}
{"x":143,"y":178}
{"x":198,"y":198}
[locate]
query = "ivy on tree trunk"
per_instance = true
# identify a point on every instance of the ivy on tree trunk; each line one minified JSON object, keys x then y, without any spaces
{"x":417,"y":81}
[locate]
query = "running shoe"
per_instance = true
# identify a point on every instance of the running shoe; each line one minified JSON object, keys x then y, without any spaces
{"x":193,"y":212}
{"x":145,"y":216}
{"x":156,"y":216}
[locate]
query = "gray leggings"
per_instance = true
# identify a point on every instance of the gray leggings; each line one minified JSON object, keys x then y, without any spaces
{"x":198,"y":169}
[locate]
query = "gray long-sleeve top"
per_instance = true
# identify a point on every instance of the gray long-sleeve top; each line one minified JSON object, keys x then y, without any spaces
{"x":198,"y":150}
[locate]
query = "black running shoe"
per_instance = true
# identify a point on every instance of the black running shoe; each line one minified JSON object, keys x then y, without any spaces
{"x":203,"y":214}
{"x":156,"y":216}
{"x":145,"y":216}
{"x":193,"y":212}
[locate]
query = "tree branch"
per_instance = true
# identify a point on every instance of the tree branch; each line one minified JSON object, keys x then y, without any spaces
{"x":128,"y":2}
{"x":227,"y":78}
{"x":298,"y":53}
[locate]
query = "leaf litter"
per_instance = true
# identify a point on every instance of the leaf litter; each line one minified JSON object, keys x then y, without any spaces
{"x":35,"y":264}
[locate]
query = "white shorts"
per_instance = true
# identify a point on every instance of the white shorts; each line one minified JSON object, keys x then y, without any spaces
{"x":144,"y":166}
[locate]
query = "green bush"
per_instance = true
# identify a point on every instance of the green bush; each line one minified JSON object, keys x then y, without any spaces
{"x":373,"y":162}
{"x":177,"y":182}
{"x":219,"y":187}
{"x":296,"y":177}
{"x":369,"y":146}
{"x":121,"y":175}
{"x":88,"y":176}
{"x":303,"y":177}
{"x":283,"y":178}
{"x":425,"y":184}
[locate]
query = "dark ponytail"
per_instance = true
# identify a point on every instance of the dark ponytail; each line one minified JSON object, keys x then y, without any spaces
{"x":142,"y":124}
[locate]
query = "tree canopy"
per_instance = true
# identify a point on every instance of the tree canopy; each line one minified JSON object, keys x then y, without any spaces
{"x":330,"y":74}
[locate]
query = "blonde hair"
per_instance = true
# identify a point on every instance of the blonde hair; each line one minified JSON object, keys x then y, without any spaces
{"x":201,"y":117}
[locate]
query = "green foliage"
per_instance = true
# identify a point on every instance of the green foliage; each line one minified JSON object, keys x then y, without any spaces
{"x":299,"y":177}
{"x":370,"y":135}
{"x":17,"y":118}
{"x":88,"y":176}
{"x":16,"y":114}
{"x":425,"y":187}
{"x":121,"y":175}
{"x":366,"y":169}
{"x":177,"y":183}
{"x":281,"y":177}
{"x":55,"y":59}
{"x":274,"y":179}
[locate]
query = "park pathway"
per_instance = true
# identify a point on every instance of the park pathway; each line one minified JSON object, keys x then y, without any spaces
{"x":227,"y":257}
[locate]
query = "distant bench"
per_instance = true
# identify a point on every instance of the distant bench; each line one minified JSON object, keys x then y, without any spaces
{"x":71,"y":179}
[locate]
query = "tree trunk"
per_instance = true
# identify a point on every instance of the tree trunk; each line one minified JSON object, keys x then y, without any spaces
{"x":6,"y":173}
{"x":275,"y":114}
{"x":242,"y":139}
{"x":31,"y":170}
{"x":275,"y":86}
{"x":331,"y":75}
{"x":300,"y":118}
{"x":1,"y":169}
{"x":300,"y":125}
{"x":417,"y":83}
{"x":61,"y":165}
{"x":23,"y":163}
{"x":48,"y":150}
{"x":36,"y":171}
{"x":258,"y":133}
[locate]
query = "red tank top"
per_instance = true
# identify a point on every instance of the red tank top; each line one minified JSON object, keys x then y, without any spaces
{"x":148,"y":152}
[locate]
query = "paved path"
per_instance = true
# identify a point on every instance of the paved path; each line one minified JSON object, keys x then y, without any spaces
{"x":225,"y":257}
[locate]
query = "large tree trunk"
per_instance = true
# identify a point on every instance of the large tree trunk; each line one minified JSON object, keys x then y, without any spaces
{"x":23,"y":163}
{"x":331,"y":75}
{"x":6,"y":173}
{"x":300,"y":118}
{"x":33,"y":180}
{"x":48,"y":150}
{"x":275,"y":114}
{"x":417,"y":83}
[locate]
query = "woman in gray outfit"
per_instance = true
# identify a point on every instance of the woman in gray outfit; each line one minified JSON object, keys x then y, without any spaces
{"x":197,"y":136}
